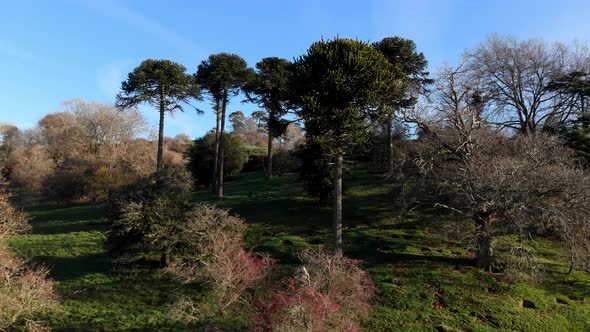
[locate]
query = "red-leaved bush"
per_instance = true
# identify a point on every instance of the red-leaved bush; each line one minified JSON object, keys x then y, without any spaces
{"x":327,"y":293}
{"x":222,"y":261}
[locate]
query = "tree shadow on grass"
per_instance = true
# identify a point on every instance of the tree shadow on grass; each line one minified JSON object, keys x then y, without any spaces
{"x":376,"y":250}
{"x":575,"y":287}
{"x":123,"y":300}
{"x":73,"y":213}
{"x":60,"y":227}
{"x":67,"y":268}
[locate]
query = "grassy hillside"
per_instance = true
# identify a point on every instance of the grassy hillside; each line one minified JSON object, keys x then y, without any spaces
{"x":427,"y":279}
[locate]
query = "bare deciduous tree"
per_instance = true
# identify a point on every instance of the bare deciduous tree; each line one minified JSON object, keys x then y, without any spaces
{"x":504,"y":185}
{"x":516,"y":75}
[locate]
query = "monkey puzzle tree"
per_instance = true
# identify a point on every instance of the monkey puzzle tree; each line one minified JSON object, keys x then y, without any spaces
{"x":409,"y":78}
{"x":269,"y":88}
{"x":160,"y":83}
{"x":222,"y":75}
{"x":338,"y":83}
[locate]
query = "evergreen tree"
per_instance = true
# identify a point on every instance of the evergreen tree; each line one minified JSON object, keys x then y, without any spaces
{"x":338,"y":84}
{"x":269,"y":89}
{"x":409,"y":78}
{"x":222,"y":75}
{"x":160,"y":83}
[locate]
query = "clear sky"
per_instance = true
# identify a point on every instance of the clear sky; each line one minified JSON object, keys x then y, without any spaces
{"x":52,"y":51}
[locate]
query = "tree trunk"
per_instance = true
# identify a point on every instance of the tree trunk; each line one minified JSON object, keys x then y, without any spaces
{"x":337,"y":208}
{"x":159,"y":164}
{"x":213,"y":184}
{"x":221,"y":147}
{"x":165,"y":258}
{"x":269,"y":157}
{"x":572,"y":263}
{"x":485,"y":246}
{"x":390,"y":164}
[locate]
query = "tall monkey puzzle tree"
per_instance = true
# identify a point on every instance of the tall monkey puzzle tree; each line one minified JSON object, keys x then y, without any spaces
{"x":410,"y":77}
{"x":338,"y":83}
{"x":269,"y":88}
{"x":222,"y":75}
{"x":159,"y":83}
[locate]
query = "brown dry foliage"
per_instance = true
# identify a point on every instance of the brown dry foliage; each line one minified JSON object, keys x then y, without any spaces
{"x":25,"y":290}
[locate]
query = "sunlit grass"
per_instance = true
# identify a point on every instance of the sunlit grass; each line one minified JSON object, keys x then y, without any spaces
{"x":427,"y":279}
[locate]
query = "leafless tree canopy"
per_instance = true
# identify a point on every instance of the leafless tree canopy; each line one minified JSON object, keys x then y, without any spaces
{"x":506,"y":185}
{"x":515,"y":75}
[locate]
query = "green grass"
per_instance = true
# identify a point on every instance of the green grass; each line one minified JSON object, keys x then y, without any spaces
{"x":427,"y":279}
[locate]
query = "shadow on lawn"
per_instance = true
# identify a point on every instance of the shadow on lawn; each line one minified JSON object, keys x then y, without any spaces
{"x":67,"y":268}
{"x":72,"y":213}
{"x":62,"y":227}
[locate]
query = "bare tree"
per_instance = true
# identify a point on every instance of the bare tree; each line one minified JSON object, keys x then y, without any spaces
{"x":516,"y":74}
{"x":504,"y":185}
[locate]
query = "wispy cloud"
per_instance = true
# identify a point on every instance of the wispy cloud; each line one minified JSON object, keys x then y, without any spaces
{"x":14,"y":51}
{"x":118,"y":11}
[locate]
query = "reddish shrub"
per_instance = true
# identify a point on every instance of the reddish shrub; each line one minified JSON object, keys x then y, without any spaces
{"x":222,"y":260}
{"x":327,"y":293}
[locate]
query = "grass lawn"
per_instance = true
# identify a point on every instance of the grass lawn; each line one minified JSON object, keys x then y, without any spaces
{"x":427,"y":280}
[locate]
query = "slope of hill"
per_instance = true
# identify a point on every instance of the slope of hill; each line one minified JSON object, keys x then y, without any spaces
{"x":427,"y":277}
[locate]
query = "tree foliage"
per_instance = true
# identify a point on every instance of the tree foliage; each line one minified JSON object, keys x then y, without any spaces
{"x":409,"y":79}
{"x":515,"y":76}
{"x":577,"y":136}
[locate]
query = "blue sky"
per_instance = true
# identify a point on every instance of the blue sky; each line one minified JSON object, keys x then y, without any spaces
{"x":52,"y":51}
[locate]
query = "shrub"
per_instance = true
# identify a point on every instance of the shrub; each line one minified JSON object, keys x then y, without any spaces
{"x":201,"y":157}
{"x":30,"y":167}
{"x":326,"y":293}
{"x":221,"y":260}
{"x":148,"y":214}
{"x":24,"y":290}
{"x":12,"y":221}
{"x":105,"y":180}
